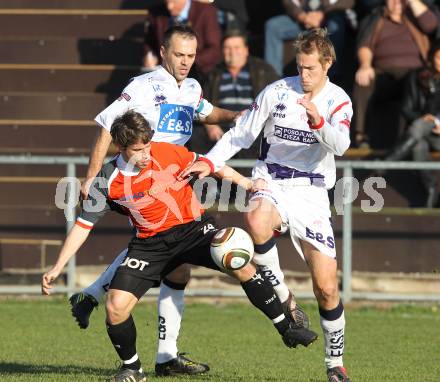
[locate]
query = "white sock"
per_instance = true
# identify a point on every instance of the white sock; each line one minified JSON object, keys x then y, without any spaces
{"x":333,"y":340}
{"x":169,"y":308}
{"x":133,"y":359}
{"x":270,"y":267}
{"x":100,"y":286}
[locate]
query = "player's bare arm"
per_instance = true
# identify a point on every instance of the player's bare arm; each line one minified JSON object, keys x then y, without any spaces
{"x":235,"y":177}
{"x":215,"y":132}
{"x":220,"y":115}
{"x":74,"y":240}
{"x":99,"y":151}
{"x":199,"y":168}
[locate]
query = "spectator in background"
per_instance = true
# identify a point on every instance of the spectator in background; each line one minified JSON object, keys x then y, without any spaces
{"x":234,"y":84}
{"x":232,"y":14}
{"x":365,"y":7}
{"x":421,"y":109}
{"x":392,"y":40}
{"x":200,"y":16}
{"x":304,"y":15}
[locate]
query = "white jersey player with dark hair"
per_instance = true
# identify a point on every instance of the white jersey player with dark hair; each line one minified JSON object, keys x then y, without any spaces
{"x":305,"y":122}
{"x":169,"y":101}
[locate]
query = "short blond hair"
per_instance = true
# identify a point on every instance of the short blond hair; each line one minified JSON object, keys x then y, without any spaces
{"x":316,"y":40}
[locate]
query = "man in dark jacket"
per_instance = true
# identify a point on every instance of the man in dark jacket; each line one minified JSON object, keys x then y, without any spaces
{"x":202,"y":18}
{"x":234,"y":84}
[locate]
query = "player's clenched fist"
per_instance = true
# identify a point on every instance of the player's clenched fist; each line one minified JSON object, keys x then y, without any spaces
{"x":311,"y":110}
{"x":259,"y":184}
{"x":46,"y":281}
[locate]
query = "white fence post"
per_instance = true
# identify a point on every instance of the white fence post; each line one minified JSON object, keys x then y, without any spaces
{"x":70,"y":222}
{"x":347,"y":234}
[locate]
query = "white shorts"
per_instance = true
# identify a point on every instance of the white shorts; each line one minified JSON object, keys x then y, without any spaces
{"x":305,"y":210}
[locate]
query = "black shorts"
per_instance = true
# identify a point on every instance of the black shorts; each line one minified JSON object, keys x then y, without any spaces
{"x":149,"y":260}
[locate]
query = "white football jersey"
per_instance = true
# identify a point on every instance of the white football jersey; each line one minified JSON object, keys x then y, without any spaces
{"x":168,"y":108}
{"x":291,"y":151}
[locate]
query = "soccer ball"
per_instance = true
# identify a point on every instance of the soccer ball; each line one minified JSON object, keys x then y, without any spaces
{"x":232,"y":248}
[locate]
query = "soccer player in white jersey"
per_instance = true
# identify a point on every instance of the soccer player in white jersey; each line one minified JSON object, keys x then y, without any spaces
{"x":169,"y":101}
{"x":305,"y":121}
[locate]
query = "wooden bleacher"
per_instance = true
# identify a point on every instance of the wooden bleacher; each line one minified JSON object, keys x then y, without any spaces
{"x":42,"y":244}
{"x":76,"y":4}
{"x":61,"y":62}
{"x":59,"y":77}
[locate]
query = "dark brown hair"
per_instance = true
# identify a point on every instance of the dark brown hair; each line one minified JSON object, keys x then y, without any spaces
{"x":183,"y":30}
{"x":316,"y":40}
{"x":130,"y":128}
{"x":235,"y":33}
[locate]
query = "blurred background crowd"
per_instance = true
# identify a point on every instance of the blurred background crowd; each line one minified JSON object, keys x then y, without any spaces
{"x":388,"y":60}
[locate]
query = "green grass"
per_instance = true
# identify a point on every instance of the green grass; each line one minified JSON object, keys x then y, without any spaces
{"x":40,"y":342}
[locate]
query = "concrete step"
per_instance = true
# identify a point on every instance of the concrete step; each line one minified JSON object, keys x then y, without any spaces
{"x":56,"y":106}
{"x":77,"y":4}
{"x":215,"y":283}
{"x":71,"y":50}
{"x":45,"y":136}
{"x":71,"y":78}
{"x":77,"y":23}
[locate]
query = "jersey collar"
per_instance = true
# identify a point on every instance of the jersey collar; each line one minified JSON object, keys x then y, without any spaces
{"x":299,"y":89}
{"x":126,"y":169}
{"x":169,"y":76}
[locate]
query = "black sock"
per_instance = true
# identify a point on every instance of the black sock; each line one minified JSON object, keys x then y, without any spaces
{"x":334,"y":314}
{"x":261,"y":294}
{"x":123,"y":337}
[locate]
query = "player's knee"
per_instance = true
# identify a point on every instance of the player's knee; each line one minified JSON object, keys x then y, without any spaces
{"x":245,"y":273}
{"x":180,"y":275}
{"x":326,"y":292}
{"x":258,"y":227}
{"x":116,"y":309}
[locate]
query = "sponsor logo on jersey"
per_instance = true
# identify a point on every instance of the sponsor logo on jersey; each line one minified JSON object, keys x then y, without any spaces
{"x":253,"y":106}
{"x":136,"y":196}
{"x":279,"y":109}
{"x":175,"y":119}
{"x":159,"y":99}
{"x":282,"y":96}
{"x":158,"y":88}
{"x":294,"y":135}
{"x":124,"y":96}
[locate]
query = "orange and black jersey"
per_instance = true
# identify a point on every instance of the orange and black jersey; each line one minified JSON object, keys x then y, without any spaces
{"x":152,"y":197}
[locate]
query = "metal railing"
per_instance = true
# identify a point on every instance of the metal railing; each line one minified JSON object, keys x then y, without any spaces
{"x":347,"y":224}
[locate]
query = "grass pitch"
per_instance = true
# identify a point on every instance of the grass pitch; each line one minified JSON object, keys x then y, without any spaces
{"x":41,"y":342}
